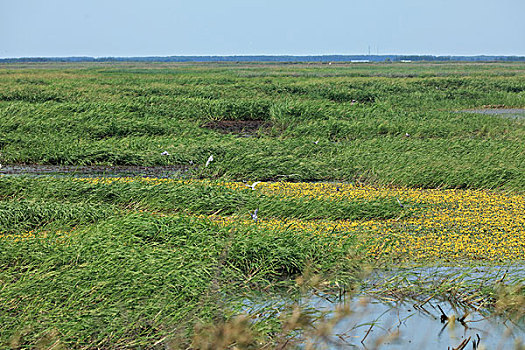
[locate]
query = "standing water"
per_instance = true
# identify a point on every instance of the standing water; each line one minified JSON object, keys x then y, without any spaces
{"x":372,"y":320}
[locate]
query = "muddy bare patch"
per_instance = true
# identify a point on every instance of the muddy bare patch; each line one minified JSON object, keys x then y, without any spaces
{"x":246,"y":128}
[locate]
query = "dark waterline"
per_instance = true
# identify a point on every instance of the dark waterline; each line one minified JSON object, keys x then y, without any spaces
{"x":172,"y":171}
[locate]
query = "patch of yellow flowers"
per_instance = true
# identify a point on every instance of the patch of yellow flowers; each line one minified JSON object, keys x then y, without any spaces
{"x":441,"y":223}
{"x":448,"y":224}
{"x":60,"y":234}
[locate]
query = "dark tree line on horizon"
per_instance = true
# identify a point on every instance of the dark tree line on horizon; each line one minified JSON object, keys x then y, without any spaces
{"x":279,"y":58}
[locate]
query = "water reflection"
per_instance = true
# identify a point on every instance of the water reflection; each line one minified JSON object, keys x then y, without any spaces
{"x":375,"y":320}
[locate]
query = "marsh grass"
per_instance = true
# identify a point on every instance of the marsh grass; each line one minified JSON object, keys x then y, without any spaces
{"x":193,"y":197}
{"x":138,"y":268}
{"x":23,"y":215}
{"x":128,"y":115}
{"x":127,"y":263}
{"x":139,"y":278}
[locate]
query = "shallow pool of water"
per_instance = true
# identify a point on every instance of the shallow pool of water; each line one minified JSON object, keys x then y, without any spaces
{"x":510,"y":274}
{"x":380,"y":323}
{"x":398,"y":325}
{"x":371,"y":320}
{"x":515,"y":113}
{"x":95,"y":171}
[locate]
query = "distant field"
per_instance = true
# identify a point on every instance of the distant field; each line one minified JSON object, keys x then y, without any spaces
{"x":292,"y":121}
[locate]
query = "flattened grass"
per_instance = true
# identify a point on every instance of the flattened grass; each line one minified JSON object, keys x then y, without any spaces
{"x":129,"y":114}
{"x":137,"y":266}
{"x":193,"y":197}
{"x":141,"y":279}
{"x":24,"y":215}
{"x":124,"y":276}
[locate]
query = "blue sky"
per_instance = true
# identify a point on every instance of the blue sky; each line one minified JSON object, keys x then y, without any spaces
{"x":236,"y":27}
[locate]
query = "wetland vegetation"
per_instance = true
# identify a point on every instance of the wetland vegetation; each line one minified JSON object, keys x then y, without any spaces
{"x":368,"y":172}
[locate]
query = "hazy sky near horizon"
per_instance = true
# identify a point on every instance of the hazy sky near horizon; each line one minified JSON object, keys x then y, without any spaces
{"x":30,"y":28}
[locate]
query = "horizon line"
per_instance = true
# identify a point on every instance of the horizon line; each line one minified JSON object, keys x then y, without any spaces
{"x":261,"y":55}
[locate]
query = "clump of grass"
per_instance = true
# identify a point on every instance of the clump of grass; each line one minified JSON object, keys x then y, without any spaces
{"x":23,"y":215}
{"x":140,"y":279}
{"x":197,"y":198}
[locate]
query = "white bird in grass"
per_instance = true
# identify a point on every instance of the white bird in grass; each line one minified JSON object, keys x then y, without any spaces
{"x":165,"y":153}
{"x":254,"y":215}
{"x":252,"y":186}
{"x":316,"y":142}
{"x":209,"y":160}
{"x":399,"y":202}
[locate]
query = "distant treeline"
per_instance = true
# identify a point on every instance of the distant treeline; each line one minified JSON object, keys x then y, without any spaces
{"x":262,"y":58}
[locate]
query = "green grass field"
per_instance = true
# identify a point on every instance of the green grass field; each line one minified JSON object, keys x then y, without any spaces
{"x":116,"y":263}
{"x":122,"y":114}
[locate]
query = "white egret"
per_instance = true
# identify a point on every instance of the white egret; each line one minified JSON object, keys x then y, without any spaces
{"x":252,"y":186}
{"x":254,"y":215}
{"x":209,"y":160}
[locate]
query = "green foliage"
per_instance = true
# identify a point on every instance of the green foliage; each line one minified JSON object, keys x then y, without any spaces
{"x":117,"y":264}
{"x":359,"y":114}
{"x":23,"y":215}
{"x":193,"y":197}
{"x":137,"y":279}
